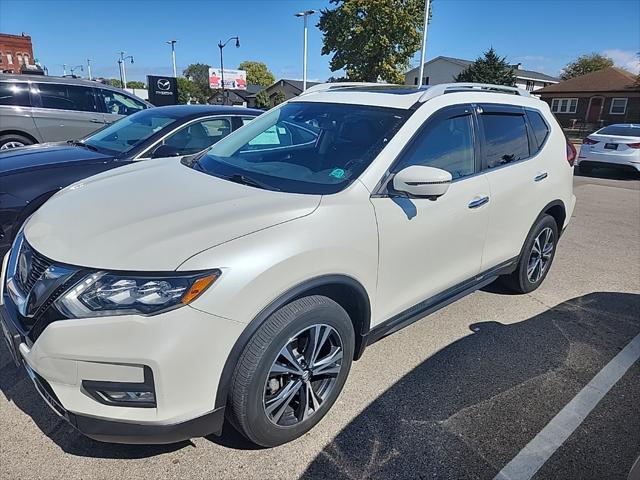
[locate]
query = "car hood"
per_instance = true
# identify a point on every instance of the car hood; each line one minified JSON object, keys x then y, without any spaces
{"x":153,"y":215}
{"x":45,"y":155}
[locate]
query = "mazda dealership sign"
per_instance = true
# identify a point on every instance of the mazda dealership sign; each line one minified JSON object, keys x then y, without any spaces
{"x":162,"y":90}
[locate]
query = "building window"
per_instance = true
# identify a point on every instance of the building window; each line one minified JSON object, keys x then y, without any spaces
{"x":1,"y":58}
{"x":425,"y":81}
{"x":19,"y":58}
{"x":530,"y":85}
{"x":618,"y":106}
{"x":9,"y":59}
{"x":25,"y":59}
{"x":564,"y":105}
{"x":415,"y":81}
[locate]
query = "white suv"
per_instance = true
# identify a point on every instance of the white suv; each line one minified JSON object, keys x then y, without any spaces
{"x":150,"y":302}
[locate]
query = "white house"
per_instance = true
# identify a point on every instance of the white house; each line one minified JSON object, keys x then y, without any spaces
{"x":445,"y":69}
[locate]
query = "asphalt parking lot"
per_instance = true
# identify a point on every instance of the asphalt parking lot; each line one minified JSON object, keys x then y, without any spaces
{"x":457,"y":395}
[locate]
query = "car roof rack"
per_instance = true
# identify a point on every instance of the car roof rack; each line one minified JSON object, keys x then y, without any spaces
{"x":324,"y":87}
{"x":441,"y":89}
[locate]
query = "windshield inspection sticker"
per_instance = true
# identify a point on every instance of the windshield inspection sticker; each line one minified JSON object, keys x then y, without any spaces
{"x":337,"y":173}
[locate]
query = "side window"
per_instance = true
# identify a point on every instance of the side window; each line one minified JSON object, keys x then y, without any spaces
{"x":505,"y":138}
{"x":15,"y":94}
{"x":120,"y":104}
{"x":445,"y":143}
{"x":246,"y":120}
{"x":66,"y":97}
{"x":539,"y":127}
{"x":198,"y":136}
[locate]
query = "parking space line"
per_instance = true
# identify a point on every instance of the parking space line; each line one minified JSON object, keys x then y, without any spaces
{"x":534,"y":455}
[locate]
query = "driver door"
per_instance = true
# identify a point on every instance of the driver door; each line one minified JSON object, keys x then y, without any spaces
{"x":427,"y":246}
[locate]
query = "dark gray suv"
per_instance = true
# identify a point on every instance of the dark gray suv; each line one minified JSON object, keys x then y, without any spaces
{"x":35,"y":109}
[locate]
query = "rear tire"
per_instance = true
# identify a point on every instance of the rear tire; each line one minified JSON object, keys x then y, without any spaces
{"x":536,"y":258}
{"x":13,"y":140}
{"x":292,"y":371}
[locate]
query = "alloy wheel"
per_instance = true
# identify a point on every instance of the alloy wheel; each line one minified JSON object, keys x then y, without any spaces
{"x":540,"y":255}
{"x":303,"y":375}
{"x":12,"y":144}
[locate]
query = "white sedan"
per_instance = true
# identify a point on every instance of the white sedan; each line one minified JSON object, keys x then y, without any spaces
{"x":614,"y":146}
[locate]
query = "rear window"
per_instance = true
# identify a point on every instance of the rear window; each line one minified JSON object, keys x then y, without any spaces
{"x":505,"y":138}
{"x":539,"y":127}
{"x":620,"y":131}
{"x":15,"y":94}
{"x":67,"y":97}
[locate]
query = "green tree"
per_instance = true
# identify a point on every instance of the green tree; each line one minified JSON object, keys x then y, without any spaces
{"x":188,"y":90}
{"x":585,"y":64}
{"x":372,"y":40}
{"x":135,"y":84}
{"x":278,"y":98}
{"x":257,"y":73}
{"x":488,"y":69}
{"x":198,"y":73}
{"x":262,"y":100}
{"x":114,"y":82}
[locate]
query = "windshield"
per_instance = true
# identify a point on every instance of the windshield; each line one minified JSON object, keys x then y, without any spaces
{"x":620,"y":131}
{"x":304,"y":147}
{"x":126,"y":133}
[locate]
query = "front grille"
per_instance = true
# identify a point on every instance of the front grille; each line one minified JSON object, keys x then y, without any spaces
{"x":35,"y":265}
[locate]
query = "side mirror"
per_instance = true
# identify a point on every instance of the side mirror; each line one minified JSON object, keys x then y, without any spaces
{"x":166,"y":151}
{"x":422,"y":182}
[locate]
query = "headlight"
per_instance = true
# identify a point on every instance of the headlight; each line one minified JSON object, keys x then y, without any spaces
{"x":104,"y":293}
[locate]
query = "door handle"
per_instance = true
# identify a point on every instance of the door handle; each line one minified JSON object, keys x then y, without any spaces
{"x":478,"y":202}
{"x":540,"y":176}
{"x":96,"y":120}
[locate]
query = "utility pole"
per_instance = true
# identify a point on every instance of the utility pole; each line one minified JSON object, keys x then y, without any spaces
{"x":427,"y":4}
{"x":89,"y":68}
{"x":304,"y":14}
{"x":173,"y":56}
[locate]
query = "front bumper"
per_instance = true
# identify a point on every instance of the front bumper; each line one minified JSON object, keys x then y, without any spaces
{"x":118,"y":349}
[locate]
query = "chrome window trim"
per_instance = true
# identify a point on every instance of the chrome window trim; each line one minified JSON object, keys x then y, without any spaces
{"x":160,"y":140}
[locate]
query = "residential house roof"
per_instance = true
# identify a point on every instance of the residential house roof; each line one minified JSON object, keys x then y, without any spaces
{"x":610,"y":79}
{"x":519,"y":72}
{"x":297,"y":84}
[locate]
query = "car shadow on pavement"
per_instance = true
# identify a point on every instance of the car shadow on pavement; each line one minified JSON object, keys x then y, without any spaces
{"x":469,"y":409}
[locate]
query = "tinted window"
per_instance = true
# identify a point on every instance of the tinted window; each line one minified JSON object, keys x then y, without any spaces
{"x":120,"y":104}
{"x":66,"y":97}
{"x":620,"y":131}
{"x":445,"y":144}
{"x":126,"y":133}
{"x":304,"y":147}
{"x":198,"y":136}
{"x":505,"y":138}
{"x":539,"y":127}
{"x":14,"y":94}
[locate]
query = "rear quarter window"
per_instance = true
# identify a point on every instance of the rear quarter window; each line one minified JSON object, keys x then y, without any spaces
{"x":505,"y":138}
{"x":539,"y":127}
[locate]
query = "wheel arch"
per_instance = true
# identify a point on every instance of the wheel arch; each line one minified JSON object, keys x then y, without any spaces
{"x":21,"y":133}
{"x":558,"y":211}
{"x":343,"y":289}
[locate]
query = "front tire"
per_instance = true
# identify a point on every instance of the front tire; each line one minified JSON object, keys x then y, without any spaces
{"x":292,"y":371}
{"x":12,"y":140}
{"x":536,"y":258}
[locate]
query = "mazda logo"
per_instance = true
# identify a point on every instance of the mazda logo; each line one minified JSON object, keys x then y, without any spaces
{"x":164,"y":84}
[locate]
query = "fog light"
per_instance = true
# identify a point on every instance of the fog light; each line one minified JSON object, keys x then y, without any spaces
{"x":123,"y":394}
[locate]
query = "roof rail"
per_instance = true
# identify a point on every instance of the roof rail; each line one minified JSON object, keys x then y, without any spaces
{"x":323,"y":87}
{"x":441,"y":89}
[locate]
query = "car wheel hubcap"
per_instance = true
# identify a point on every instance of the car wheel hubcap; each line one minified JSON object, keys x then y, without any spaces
{"x":13,"y":144}
{"x":303,"y":375}
{"x":540,"y":256}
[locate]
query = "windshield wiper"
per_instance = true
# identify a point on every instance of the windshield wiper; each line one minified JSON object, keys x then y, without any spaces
{"x":80,"y":143}
{"x":244,"y":180}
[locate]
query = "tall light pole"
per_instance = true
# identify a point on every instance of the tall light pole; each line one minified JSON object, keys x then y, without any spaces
{"x":123,"y":72}
{"x":64,"y":69}
{"x":427,"y":4}
{"x":173,"y":55}
{"x":72,"y":69}
{"x":305,"y":14}
{"x":89,"y":68}
{"x":221,"y":46}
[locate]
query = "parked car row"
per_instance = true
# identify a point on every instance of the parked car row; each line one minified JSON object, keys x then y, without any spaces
{"x":150,"y":302}
{"x":36,"y":109}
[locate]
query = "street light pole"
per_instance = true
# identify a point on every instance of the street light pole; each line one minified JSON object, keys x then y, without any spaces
{"x":304,"y":14}
{"x":64,"y":69}
{"x":123,"y":72}
{"x":173,"y":56}
{"x":89,"y":68}
{"x":76,"y":67}
{"x":221,"y":46}
{"x":424,"y":40}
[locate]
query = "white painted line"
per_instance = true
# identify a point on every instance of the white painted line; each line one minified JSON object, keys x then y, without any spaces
{"x":534,"y":455}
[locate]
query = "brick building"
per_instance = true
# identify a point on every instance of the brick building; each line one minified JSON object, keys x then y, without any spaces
{"x":16,"y":54}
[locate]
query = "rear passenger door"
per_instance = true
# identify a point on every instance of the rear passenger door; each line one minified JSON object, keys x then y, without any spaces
{"x":516,"y":176}
{"x":65,"y":112}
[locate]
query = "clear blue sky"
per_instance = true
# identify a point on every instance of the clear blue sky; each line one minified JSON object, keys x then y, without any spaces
{"x":544,"y":35}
